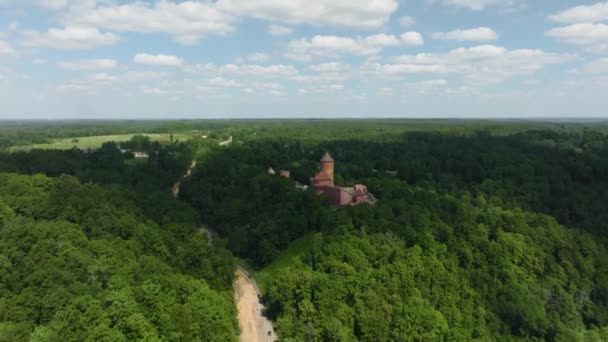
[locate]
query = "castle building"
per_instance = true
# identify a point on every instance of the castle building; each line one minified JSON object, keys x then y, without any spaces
{"x":323,"y":183}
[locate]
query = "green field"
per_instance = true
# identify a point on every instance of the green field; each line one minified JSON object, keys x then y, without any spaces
{"x":95,"y":141}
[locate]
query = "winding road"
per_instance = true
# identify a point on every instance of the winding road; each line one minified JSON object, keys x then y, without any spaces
{"x":247,"y":295}
{"x":254,"y":326}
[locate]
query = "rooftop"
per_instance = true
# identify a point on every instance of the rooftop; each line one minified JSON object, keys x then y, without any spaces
{"x":327,"y":158}
{"x":322,"y":176}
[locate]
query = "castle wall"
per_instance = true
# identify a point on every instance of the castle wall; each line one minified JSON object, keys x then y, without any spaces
{"x":337,"y":196}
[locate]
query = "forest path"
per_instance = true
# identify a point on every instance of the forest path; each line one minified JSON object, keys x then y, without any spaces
{"x":254,"y":326}
{"x":175,"y":188}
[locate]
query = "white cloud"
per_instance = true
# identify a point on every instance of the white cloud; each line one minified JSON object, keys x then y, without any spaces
{"x":70,"y":37}
{"x":329,"y":46}
{"x":401,"y":68}
{"x":381,"y":40}
{"x":268,"y":85}
{"x":347,"y":13}
{"x":480,"y":34}
{"x":407,"y":21}
{"x":104,"y":77}
{"x":188,"y":22}
{"x":222,"y":82}
{"x":479,"y":64}
{"x":52,"y":4}
{"x":97,"y":81}
{"x":254,"y":57}
{"x":265,"y":71}
{"x":593,"y":36}
{"x":478,"y":5}
{"x":278,"y":30}
{"x":88,"y":85}
{"x":155,"y":91}
{"x":583,"y":14}
{"x":329,"y":67}
{"x":334,"y":46}
{"x":6,"y":49}
{"x":90,"y":64}
{"x":143,"y":76}
{"x":157,"y":60}
{"x":412,"y":38}
{"x":435,"y":83}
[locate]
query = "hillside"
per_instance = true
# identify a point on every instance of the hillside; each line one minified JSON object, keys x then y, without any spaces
{"x":480,"y":232}
{"x":80,"y":262}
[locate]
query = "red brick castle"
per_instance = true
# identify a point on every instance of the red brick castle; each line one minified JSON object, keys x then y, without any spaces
{"x":323,"y":183}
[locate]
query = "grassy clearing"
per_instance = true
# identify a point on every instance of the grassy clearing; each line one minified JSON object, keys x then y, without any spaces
{"x":95,"y":141}
{"x":287,"y":257}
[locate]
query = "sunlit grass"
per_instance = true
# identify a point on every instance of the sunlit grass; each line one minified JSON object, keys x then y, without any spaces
{"x":96,"y":141}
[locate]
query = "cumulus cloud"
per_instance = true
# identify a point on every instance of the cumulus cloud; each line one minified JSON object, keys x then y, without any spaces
{"x":412,"y":38}
{"x":254,"y":57}
{"x":435,"y":83}
{"x":583,"y":14}
{"x":70,"y":37}
{"x":104,"y":77}
{"x":479,"y":64}
{"x":334,"y":46}
{"x":52,"y":4}
{"x":329,"y":67}
{"x":480,"y":34}
{"x":246,"y":70}
{"x":593,"y":36}
{"x":188,"y":22}
{"x":268,"y":85}
{"x":157,"y":60}
{"x":95,"y":82}
{"x":278,"y":30}
{"x":89,"y":64}
{"x":264,"y":71}
{"x":478,"y":5}
{"x":88,"y":85}
{"x":222,"y":82}
{"x":352,"y":13}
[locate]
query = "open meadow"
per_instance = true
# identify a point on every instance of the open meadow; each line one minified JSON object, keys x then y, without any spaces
{"x":96,"y":141}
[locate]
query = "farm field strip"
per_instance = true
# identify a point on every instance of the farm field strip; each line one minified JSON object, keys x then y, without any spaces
{"x":95,"y":141}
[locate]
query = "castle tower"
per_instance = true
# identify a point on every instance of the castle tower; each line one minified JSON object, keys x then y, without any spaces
{"x":327,"y":166}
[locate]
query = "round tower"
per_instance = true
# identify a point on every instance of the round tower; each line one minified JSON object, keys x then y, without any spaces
{"x":327,"y":166}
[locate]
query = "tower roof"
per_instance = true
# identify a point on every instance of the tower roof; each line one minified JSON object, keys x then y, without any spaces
{"x":327,"y":158}
{"x":321,"y":176}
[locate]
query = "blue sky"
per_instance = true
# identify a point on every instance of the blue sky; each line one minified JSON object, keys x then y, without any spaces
{"x":108,"y":59}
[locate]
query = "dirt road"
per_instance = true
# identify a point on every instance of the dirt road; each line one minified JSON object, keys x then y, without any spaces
{"x":254,"y":326}
{"x":175,"y":187}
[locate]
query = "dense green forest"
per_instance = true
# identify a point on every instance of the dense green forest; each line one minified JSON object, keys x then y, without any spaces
{"x":483,"y":231}
{"x":112,"y":257}
{"x":475,"y":236}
